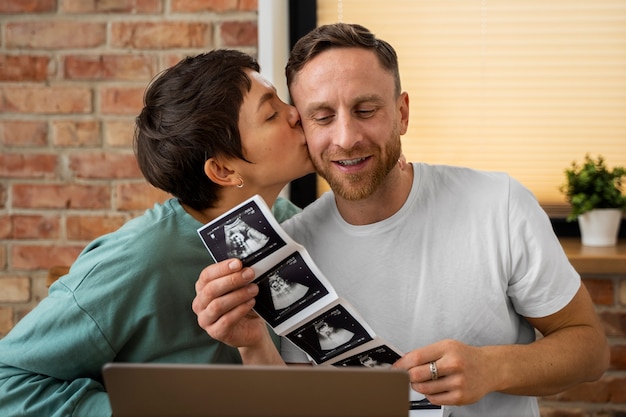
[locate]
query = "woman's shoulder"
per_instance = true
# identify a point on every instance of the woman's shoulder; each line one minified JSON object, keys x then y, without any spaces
{"x":284,"y":209}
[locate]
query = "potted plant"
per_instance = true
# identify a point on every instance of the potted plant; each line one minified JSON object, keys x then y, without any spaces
{"x":595,"y":195}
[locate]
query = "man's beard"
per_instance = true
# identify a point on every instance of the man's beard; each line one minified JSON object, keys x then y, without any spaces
{"x":354,"y":187}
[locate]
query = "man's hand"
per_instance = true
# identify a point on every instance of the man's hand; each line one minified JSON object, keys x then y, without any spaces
{"x":573,"y":349}
{"x":463,"y":373}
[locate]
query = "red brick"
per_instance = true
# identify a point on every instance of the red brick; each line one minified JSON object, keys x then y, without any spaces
{"x":53,"y":196}
{"x":23,"y":133}
{"x":248,"y":5}
{"x":6,"y":227}
{"x":14,"y":289}
{"x":204,"y":5}
{"x":617,"y":392}
{"x":601,"y":291}
{"x":90,"y":227}
{"x":3,"y":256}
{"x":121,"y":100}
{"x":110,"y":67}
{"x":614,"y":323}
{"x":76,"y":134}
{"x":23,"y":68}
{"x":35,"y":227}
{"x":239,"y":33}
{"x":45,"y":100}
{"x":31,"y":257}
{"x":6,"y":320}
{"x":112,"y":6}
{"x":161,"y":35}
{"x":55,"y":34}
{"x":105,"y":165}
{"x":20,"y":165}
{"x":3,"y":195}
{"x":119,"y":133}
{"x":138,"y":196}
{"x":618,"y":357}
{"x":27,"y":6}
{"x":172,"y":59}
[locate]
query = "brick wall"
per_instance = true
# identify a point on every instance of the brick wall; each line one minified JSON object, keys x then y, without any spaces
{"x":72,"y":75}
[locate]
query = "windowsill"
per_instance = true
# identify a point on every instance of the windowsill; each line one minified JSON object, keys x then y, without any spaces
{"x":595,"y":259}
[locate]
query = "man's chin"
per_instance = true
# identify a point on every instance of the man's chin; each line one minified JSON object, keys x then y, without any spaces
{"x":350,"y":190}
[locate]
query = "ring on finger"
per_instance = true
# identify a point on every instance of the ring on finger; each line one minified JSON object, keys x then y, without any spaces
{"x":434,"y":375}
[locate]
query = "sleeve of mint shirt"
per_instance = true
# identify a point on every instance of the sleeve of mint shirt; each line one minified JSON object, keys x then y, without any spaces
{"x":26,"y":374}
{"x":284,"y":209}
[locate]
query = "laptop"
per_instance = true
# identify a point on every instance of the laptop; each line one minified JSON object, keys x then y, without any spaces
{"x":167,"y":390}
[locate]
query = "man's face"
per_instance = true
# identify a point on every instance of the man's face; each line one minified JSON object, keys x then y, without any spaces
{"x":351,"y":118}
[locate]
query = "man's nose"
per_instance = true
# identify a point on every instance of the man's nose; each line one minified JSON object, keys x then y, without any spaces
{"x":347,"y":132}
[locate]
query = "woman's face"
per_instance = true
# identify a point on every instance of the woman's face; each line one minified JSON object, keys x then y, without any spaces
{"x":272,"y":138}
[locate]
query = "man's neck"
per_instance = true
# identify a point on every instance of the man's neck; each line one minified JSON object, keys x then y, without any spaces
{"x":384,"y":203}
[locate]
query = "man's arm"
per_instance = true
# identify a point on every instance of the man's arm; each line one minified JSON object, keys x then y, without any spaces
{"x":573,"y":350}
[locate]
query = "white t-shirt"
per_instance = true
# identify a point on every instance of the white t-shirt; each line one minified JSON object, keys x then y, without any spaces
{"x":467,"y":255}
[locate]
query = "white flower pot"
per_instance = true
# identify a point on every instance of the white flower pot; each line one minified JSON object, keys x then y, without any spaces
{"x":599,"y":227}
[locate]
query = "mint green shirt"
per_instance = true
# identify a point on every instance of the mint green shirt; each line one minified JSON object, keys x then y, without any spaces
{"x":127,"y":298}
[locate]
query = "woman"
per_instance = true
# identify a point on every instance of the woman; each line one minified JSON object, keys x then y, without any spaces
{"x":212,"y":134}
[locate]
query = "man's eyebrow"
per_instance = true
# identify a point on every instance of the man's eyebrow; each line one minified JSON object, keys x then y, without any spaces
{"x":367,"y":97}
{"x":315,"y":106}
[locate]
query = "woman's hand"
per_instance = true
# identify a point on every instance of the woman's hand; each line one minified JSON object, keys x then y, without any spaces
{"x":223,"y":303}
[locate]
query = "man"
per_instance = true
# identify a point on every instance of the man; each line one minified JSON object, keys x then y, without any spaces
{"x":453,"y":266}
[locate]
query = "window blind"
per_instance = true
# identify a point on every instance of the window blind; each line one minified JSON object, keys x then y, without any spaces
{"x":522,"y":86}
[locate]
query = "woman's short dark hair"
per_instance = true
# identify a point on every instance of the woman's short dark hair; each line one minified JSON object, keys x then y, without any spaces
{"x":341,"y":35}
{"x":191,"y":114}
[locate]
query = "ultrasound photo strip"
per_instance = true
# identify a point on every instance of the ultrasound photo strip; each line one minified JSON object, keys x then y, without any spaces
{"x":294,"y":298}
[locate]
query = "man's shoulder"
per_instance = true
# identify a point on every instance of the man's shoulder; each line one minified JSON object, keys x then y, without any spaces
{"x":463,"y":172}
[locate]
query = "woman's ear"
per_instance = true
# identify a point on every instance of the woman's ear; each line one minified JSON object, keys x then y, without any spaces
{"x":220,"y":173}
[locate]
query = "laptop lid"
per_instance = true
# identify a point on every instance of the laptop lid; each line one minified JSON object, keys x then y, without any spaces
{"x":165,"y":390}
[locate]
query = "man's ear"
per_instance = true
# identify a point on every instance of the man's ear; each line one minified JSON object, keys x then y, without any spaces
{"x":403,"y":107}
{"x":220,"y":172}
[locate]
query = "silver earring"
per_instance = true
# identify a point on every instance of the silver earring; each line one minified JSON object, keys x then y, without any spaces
{"x":240,"y":185}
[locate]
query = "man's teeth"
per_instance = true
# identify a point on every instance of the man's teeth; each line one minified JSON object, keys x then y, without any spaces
{"x":348,"y":162}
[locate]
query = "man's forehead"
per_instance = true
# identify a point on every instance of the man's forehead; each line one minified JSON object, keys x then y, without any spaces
{"x":349,"y":68}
